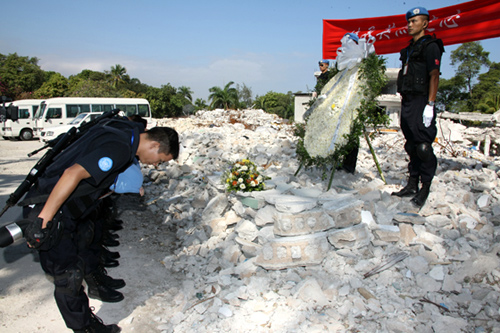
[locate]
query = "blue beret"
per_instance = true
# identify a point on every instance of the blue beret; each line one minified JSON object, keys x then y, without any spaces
{"x":354,"y":37}
{"x":324,"y":62}
{"x":416,"y":11}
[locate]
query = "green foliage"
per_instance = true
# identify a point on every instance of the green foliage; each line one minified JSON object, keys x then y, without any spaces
{"x":117,"y":75}
{"x":225,"y":98}
{"x":277,"y":103}
{"x":372,"y":71}
{"x":56,"y":86}
{"x":19,"y":75}
{"x":200,"y":104}
{"x":245,"y":96}
{"x":165,"y":101}
{"x":469,"y":57}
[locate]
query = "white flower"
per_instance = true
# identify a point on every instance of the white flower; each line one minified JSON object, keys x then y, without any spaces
{"x":240,"y":180}
{"x":332,"y":117}
{"x":242,"y":186}
{"x":259,"y":178}
{"x":244,"y":168}
{"x":253,"y":183}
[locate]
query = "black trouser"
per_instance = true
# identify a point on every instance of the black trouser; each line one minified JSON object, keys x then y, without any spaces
{"x":63,"y":261}
{"x":412,"y":108}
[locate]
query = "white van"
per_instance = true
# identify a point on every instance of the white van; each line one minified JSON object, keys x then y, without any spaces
{"x":21,"y":128}
{"x":61,"y":110}
{"x":53,"y":132}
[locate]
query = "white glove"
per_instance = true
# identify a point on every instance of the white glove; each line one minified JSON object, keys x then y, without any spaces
{"x":428,"y":115}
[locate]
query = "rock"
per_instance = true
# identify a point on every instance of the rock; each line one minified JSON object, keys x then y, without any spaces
{"x":353,"y":237}
{"x":295,"y":251}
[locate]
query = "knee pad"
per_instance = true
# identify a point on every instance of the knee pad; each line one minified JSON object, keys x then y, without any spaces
{"x":410,"y":148}
{"x":70,"y":282}
{"x":424,"y":151}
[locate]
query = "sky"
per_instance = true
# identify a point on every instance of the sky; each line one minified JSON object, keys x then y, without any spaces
{"x":269,"y":45}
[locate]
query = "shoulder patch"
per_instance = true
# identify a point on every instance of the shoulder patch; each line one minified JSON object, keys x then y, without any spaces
{"x":105,"y":164}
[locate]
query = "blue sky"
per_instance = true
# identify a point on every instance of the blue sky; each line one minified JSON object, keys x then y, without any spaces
{"x":267,"y":45}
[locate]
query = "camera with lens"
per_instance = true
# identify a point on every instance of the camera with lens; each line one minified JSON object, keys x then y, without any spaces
{"x":8,"y":112}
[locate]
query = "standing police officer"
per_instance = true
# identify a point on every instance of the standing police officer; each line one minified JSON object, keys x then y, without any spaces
{"x":68,"y":192}
{"x":418,"y":84}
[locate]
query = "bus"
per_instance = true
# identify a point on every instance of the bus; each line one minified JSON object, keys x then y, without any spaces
{"x":23,"y":126}
{"x":62,"y":110}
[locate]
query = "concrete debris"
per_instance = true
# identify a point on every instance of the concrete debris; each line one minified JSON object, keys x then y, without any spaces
{"x":295,"y":257}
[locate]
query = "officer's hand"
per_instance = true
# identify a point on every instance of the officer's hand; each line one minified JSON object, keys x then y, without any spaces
{"x":36,"y":235}
{"x":43,"y":238}
{"x":428,"y":115}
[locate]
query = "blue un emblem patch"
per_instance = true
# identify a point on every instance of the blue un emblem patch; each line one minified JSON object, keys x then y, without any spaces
{"x":105,"y":164}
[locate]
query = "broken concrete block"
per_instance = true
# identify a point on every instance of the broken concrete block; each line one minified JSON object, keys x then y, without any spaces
{"x":345,"y":213}
{"x":310,"y":291}
{"x":406,"y":233}
{"x":303,"y":223}
{"x":265,"y":215}
{"x":295,"y":251}
{"x":214,"y":208}
{"x":409,"y":218}
{"x":352,"y":238}
{"x":246,"y":230}
{"x":387,"y":233}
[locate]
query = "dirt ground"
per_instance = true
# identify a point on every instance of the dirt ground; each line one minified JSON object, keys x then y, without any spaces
{"x":26,"y":293}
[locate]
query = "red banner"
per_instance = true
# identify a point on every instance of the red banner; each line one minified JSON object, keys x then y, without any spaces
{"x":465,"y":22}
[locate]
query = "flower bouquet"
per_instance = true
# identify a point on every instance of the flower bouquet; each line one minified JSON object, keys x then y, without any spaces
{"x":243,"y":176}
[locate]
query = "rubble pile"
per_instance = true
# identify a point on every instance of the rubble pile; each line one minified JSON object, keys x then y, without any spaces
{"x":298,"y":258}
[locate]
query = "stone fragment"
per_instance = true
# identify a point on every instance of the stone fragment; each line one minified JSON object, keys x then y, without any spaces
{"x":265,"y":215}
{"x":294,"y":251}
{"x":345,"y":213}
{"x":290,"y":203}
{"x":215,"y":207}
{"x":387,"y":233}
{"x":310,"y":291}
{"x":437,"y":273}
{"x":250,"y":249}
{"x":449,"y":324}
{"x":484,"y":201}
{"x":303,"y":223}
{"x":409,"y":218}
{"x":406,"y":233}
{"x":353,"y":237}
{"x":246,"y":230}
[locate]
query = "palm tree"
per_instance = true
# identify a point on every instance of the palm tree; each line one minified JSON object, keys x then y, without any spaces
{"x":200,"y":104}
{"x":117,"y":75}
{"x":185,"y":92}
{"x":223,"y":98}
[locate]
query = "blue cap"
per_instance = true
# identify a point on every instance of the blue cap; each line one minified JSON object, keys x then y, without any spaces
{"x":324,"y":62}
{"x":353,"y":36}
{"x":416,"y":11}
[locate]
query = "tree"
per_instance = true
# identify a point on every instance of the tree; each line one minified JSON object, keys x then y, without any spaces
{"x":451,"y":94}
{"x":277,"y":103}
{"x":489,"y":83}
{"x":200,"y":104}
{"x":117,"y":75}
{"x":19,"y":75}
{"x":223,"y":98}
{"x":245,"y":96}
{"x":468,"y":58}
{"x":56,"y":86}
{"x":164,"y":102}
{"x":91,"y":88}
{"x":185,"y":92}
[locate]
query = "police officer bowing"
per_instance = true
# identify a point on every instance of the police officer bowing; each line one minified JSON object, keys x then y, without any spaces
{"x":418,"y":84}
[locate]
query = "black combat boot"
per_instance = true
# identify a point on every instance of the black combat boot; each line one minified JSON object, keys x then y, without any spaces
{"x":109,"y":254}
{"x":421,"y":197}
{"x":410,"y":189}
{"x":98,"y":290}
{"x":97,"y":326}
{"x":101,"y":274}
{"x":107,"y":261}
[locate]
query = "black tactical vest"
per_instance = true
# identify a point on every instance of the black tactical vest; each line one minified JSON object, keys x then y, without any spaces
{"x":416,"y":79}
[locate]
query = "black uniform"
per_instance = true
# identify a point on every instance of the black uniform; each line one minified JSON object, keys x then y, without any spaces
{"x":418,"y":59}
{"x":104,"y":152}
